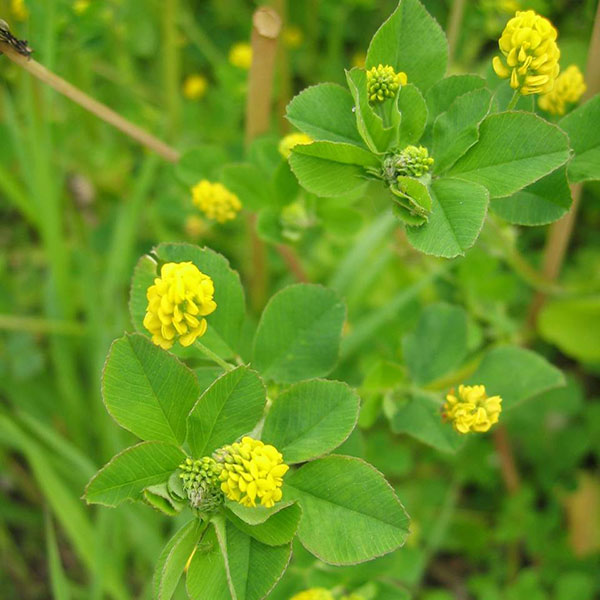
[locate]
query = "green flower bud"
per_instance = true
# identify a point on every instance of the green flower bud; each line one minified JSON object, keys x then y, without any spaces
{"x":383,"y":82}
{"x":201,"y":483}
{"x":413,"y":161}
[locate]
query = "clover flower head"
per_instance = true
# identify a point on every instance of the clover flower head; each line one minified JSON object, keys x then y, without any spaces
{"x":19,"y":10}
{"x":529,"y":53}
{"x":216,"y":201}
{"x":251,"y":470}
{"x":471,"y":409}
{"x":291,"y":140}
{"x":200,"y":480}
{"x":412,"y":161}
{"x":314,"y":594}
{"x":292,"y":36}
{"x":383,"y":82}
{"x":240,"y":55}
{"x":194,"y":86}
{"x":568,"y":89}
{"x":177,"y":303}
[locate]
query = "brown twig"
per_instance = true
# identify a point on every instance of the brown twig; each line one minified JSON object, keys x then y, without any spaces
{"x":508,"y":466}
{"x":100,"y":110}
{"x":559,"y":234}
{"x":293,"y":262}
{"x":455,"y":18}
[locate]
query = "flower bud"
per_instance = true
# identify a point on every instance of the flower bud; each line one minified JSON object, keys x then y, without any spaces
{"x":201,"y":483}
{"x":471,"y":409}
{"x":383,"y":82}
{"x":413,"y":161}
{"x":216,"y":201}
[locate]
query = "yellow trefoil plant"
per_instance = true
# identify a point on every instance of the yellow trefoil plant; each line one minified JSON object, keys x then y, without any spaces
{"x":529,"y":53}
{"x":252,"y":471}
{"x":471,"y":410}
{"x":568,"y":89}
{"x":216,"y":201}
{"x":177,"y":304}
{"x":293,"y":139}
{"x":195,"y":86}
{"x":240,"y":55}
{"x":383,"y":82}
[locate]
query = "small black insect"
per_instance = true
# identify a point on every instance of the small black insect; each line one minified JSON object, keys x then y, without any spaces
{"x":7,"y":37}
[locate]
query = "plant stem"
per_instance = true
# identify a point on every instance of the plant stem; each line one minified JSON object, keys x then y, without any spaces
{"x":88,"y":103}
{"x":513,"y":100}
{"x":39,"y":325}
{"x":455,"y":19}
{"x":559,"y":234}
{"x":213,"y":356}
{"x":171,"y":67}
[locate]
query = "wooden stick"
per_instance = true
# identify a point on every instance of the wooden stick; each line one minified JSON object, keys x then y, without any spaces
{"x":559,"y":234}
{"x":265,"y":31}
{"x":88,"y":103}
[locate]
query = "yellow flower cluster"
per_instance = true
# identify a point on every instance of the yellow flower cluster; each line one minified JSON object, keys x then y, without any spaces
{"x":177,"y":303}
{"x":471,"y":409}
{"x":194,"y":86}
{"x":19,"y":10}
{"x":568,"y":88}
{"x":383,"y":82}
{"x":314,"y":594}
{"x":216,"y":201}
{"x":293,"y":139}
{"x":240,"y":55}
{"x":251,"y":470}
{"x":530,"y":53}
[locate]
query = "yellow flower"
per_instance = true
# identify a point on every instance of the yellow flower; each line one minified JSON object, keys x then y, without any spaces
{"x":251,"y":470}
{"x":530,"y":53}
{"x":177,"y":301}
{"x":293,"y":36}
{"x":383,"y":82}
{"x":359,"y":59}
{"x":471,"y":409}
{"x":80,"y":6}
{"x":216,"y":201}
{"x":240,"y":55}
{"x":293,"y":139}
{"x":314,"y":594}
{"x":194,"y":87}
{"x":568,"y":88}
{"x":19,"y":10}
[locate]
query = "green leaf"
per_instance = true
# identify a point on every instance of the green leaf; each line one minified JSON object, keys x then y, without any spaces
{"x":457,"y":129}
{"x":249,"y":184}
{"x":377,"y":137}
{"x":255,"y":515}
{"x":515,"y":374}
{"x":326,"y":178}
{"x":441,"y":96}
{"x":254,"y":568}
{"x":582,"y":127}
{"x":58,"y":580}
{"x":411,"y":41}
{"x":438,"y":344}
{"x":298,"y":336}
{"x":420,"y":416}
{"x":514,"y":150}
{"x":457,"y":215}
{"x":132,"y":470}
{"x":325,"y":112}
{"x":412,"y":201}
{"x":347,"y":154}
{"x":174,"y":558}
{"x":147,"y":390}
{"x":230,"y":407}
{"x":143,"y":277}
{"x":206,"y":575}
{"x":277,"y":530}
{"x":200,"y":163}
{"x":350,"y":513}
{"x":540,"y":203}
{"x":158,"y":497}
{"x":310,"y":419}
{"x":227,"y":319}
{"x":413,"y":109}
{"x":573,"y":324}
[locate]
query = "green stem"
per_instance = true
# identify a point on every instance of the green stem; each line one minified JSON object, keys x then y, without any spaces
{"x":214,"y":357}
{"x":513,"y":100}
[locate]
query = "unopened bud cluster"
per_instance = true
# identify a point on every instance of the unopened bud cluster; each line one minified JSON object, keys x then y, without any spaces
{"x":413,"y":161}
{"x":383,"y":82}
{"x":201,"y":483}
